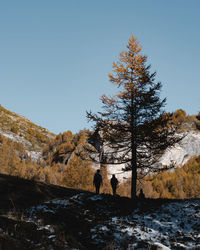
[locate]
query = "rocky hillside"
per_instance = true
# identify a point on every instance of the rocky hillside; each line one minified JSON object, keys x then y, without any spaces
{"x":180,"y":153}
{"x":188,"y":147}
{"x":20,"y":129}
{"x":38,"y":216}
{"x":36,"y":140}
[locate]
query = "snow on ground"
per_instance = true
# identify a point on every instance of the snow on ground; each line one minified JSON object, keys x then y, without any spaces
{"x":177,"y":223}
{"x":96,"y":198}
{"x":173,"y":222}
{"x":174,"y":225}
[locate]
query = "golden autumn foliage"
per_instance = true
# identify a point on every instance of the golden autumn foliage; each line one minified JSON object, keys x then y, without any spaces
{"x":184,"y":121}
{"x":61,"y":148}
{"x":78,"y":174}
{"x":75,"y":172}
{"x":182,"y":183}
{"x":106,"y":187}
{"x":15,"y":161}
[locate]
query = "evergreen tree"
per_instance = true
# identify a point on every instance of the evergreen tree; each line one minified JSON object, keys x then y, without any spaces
{"x":133,"y":125}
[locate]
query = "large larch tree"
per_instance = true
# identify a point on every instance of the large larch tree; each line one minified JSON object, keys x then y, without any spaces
{"x":133,"y":124}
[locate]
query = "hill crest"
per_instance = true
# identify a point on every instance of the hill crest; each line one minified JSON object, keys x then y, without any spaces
{"x":22,"y":130}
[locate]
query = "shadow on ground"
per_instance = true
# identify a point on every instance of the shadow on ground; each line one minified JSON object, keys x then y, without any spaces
{"x":39,"y":216}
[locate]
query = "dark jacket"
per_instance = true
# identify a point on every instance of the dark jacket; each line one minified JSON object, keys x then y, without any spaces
{"x":97,"y":181}
{"x":114,"y":181}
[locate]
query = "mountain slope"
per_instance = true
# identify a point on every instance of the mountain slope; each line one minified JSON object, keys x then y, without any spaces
{"x":20,"y":129}
{"x":61,"y":218}
{"x":40,"y":143}
{"x":35,"y":138}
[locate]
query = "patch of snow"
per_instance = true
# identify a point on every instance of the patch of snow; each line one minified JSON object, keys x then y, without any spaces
{"x":96,"y":197}
{"x":171,"y":223}
{"x":104,"y":228}
{"x":171,"y":226}
{"x":51,"y":236}
{"x":48,"y":228}
{"x":40,"y":208}
{"x":59,"y":202}
{"x":77,"y":196}
{"x":114,"y":219}
{"x":161,"y":246}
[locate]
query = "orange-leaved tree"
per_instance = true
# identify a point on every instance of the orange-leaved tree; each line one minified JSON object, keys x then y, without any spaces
{"x":133,"y":128}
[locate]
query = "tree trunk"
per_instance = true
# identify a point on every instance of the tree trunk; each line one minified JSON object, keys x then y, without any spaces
{"x":133,"y":148}
{"x":134,"y":174}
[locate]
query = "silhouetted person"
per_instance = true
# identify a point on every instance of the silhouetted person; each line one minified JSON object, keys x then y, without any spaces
{"x":114,"y":182}
{"x":141,"y":195}
{"x":97,"y":181}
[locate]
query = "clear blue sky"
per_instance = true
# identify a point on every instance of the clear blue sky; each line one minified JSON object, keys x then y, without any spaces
{"x":55,"y":56}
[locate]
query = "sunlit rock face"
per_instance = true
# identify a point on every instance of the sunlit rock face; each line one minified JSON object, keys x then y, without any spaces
{"x":188,"y":147}
{"x":178,"y":155}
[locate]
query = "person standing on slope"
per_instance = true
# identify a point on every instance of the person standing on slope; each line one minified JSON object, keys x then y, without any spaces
{"x":114,"y":182}
{"x":97,"y":181}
